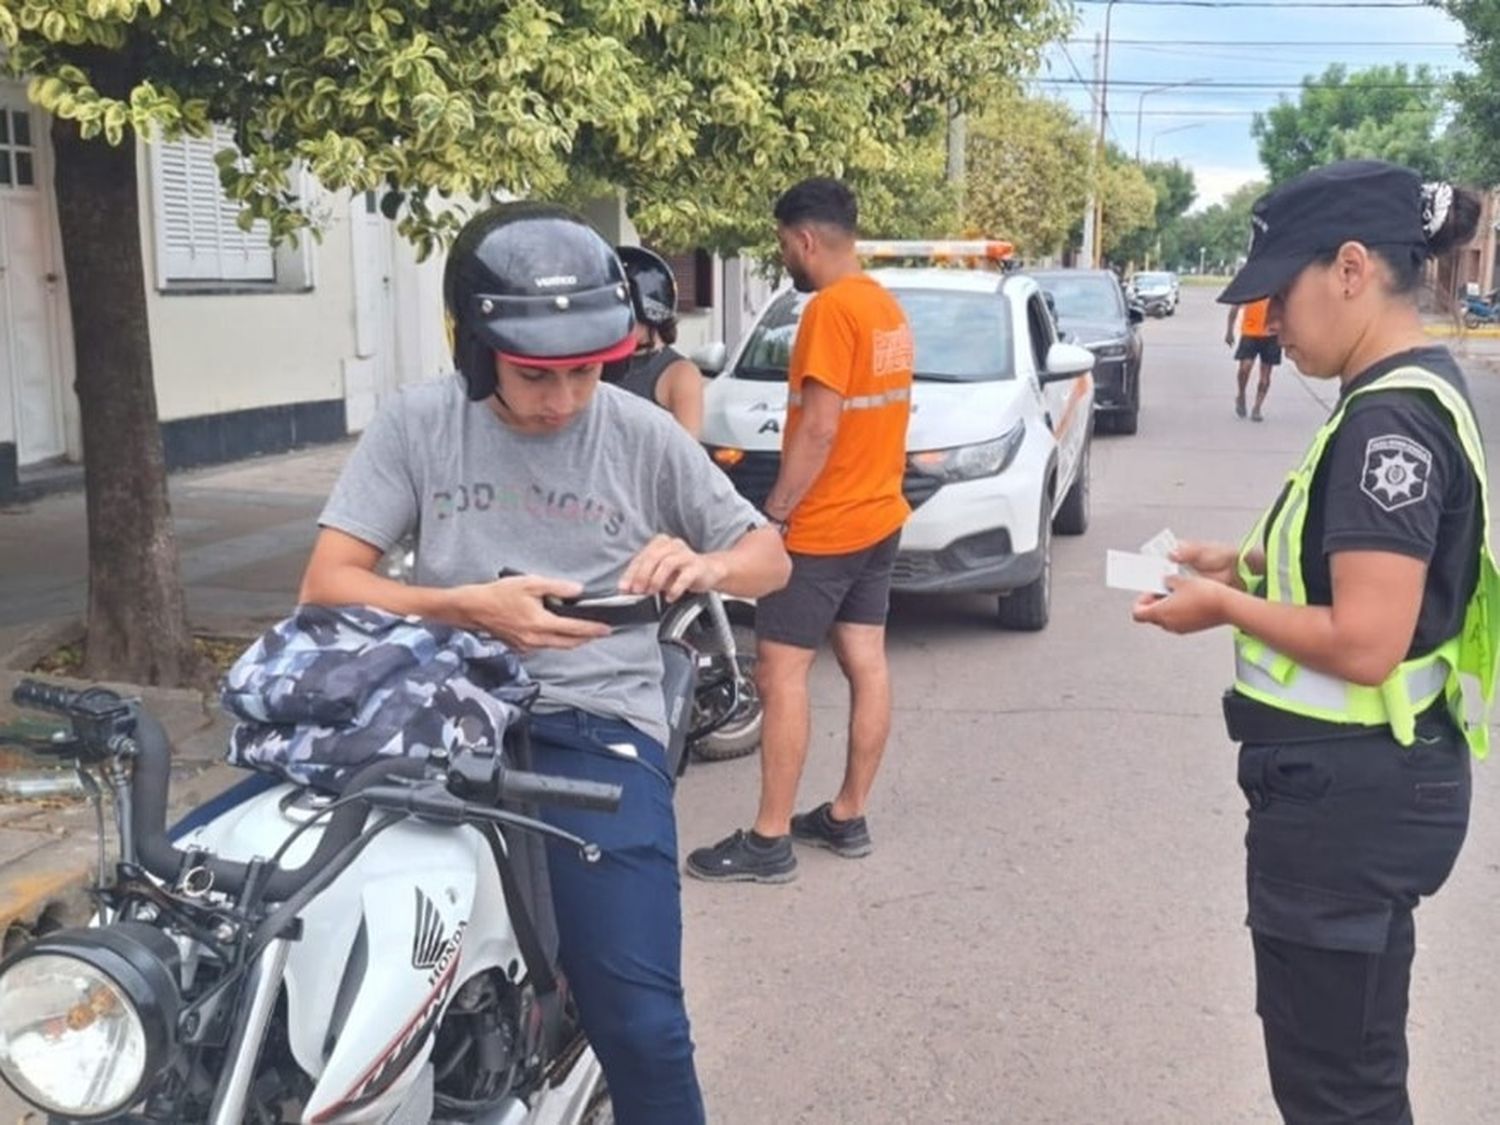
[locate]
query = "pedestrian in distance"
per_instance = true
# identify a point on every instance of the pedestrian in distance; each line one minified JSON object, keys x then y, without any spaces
{"x":1365,"y":617}
{"x":1257,"y":342}
{"x":657,"y":371}
{"x":838,"y":501}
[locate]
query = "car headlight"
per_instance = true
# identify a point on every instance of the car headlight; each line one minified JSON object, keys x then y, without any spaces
{"x":970,"y":462}
{"x":88,"y":1018}
{"x":1109,"y":351}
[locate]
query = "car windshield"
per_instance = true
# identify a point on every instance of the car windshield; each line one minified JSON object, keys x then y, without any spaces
{"x":960,"y":337}
{"x":1085,"y":298}
{"x":1153,"y":281}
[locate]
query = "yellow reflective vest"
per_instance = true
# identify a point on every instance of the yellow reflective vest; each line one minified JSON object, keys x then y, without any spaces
{"x":1461,"y":670}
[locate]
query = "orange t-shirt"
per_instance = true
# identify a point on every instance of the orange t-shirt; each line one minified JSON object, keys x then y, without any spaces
{"x":854,"y":339}
{"x":1253,"y":318}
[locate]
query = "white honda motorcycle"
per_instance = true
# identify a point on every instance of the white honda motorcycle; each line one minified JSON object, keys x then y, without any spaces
{"x":301,"y":957}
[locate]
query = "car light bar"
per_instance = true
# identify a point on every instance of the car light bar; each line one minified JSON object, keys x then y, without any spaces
{"x":939,"y":250}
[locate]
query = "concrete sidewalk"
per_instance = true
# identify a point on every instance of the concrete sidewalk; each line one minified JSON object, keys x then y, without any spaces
{"x":244,"y":532}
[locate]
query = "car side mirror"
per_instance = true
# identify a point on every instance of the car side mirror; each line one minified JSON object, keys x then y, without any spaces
{"x":1137,"y":314}
{"x":711,"y":358}
{"x":1066,"y":361}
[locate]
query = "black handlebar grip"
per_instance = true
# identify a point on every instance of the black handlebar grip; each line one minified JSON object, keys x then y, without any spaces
{"x":38,"y":696}
{"x":541,"y":789}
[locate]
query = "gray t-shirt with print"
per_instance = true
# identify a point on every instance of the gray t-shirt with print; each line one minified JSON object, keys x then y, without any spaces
{"x":578,"y":504}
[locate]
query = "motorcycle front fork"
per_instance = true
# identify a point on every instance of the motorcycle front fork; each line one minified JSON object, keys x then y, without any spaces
{"x":718,"y":617}
{"x":244,"y":1049}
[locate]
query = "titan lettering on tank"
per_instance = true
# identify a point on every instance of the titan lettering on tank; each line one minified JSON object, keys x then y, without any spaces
{"x":395,"y":1057}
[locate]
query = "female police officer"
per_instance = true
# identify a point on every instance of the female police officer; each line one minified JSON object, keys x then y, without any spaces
{"x":1364,"y":613}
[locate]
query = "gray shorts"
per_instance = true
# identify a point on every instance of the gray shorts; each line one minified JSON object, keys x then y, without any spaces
{"x":854,"y":589}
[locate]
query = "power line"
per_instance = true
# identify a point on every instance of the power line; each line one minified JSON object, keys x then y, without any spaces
{"x":1262,"y":3}
{"x":1269,"y":42}
{"x":1222,"y":87}
{"x":1093,"y":97}
{"x":1285,"y":56}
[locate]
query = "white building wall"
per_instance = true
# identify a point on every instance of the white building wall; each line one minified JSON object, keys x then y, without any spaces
{"x":227,"y":350}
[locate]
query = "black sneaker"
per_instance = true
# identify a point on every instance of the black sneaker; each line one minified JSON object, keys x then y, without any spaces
{"x":848,"y":838}
{"x":742,"y":858}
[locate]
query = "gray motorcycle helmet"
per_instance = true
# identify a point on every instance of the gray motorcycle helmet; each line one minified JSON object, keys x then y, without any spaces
{"x":538,"y":285}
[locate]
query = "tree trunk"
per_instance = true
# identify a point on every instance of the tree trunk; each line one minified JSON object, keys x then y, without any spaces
{"x":137,"y":617}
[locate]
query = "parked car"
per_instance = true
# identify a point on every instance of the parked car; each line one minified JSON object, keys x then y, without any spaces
{"x":1157,"y":293}
{"x":1092,"y":311}
{"x":999,"y":441}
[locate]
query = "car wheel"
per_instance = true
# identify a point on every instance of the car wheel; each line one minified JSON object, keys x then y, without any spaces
{"x":1073,"y":517}
{"x":1128,"y":420}
{"x":1027,"y":608}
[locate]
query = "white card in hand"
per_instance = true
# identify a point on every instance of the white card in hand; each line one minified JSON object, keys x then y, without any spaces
{"x":1142,"y":573}
{"x":1161,"y":545}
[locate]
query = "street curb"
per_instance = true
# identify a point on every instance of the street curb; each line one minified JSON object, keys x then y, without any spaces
{"x":1447,"y":331}
{"x":198,"y":728}
{"x":44,"y":887}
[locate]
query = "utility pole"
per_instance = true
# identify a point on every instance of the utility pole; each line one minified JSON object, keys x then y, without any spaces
{"x":1091,"y":210}
{"x":1098,"y":250}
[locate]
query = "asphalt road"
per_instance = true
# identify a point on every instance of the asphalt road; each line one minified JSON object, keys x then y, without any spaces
{"x":1050,"y":927}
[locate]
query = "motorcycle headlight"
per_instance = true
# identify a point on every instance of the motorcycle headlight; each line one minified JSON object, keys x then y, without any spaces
{"x":88,"y":1018}
{"x":970,"y":462}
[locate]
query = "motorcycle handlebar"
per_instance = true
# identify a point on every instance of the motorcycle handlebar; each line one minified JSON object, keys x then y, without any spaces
{"x":159,"y":856}
{"x":544,"y":789}
{"x":37,"y":696}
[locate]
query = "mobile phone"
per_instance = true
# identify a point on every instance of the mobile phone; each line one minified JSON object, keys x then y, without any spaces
{"x":609,"y":609}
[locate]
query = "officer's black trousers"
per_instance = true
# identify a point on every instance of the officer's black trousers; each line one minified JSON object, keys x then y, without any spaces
{"x":1345,"y":836}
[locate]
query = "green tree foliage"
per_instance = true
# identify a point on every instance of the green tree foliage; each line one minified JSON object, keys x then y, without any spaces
{"x":1129,"y":206}
{"x":701,"y":110}
{"x":1221,"y":232}
{"x":1475,"y":137}
{"x":1027,"y":177}
{"x":1176,"y":189}
{"x":1029,"y":162}
{"x":1384,"y":112}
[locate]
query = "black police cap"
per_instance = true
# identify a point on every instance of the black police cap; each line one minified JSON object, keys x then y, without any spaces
{"x":1366,"y":201}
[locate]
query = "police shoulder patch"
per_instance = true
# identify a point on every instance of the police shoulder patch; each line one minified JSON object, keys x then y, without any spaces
{"x":1395,"y":471}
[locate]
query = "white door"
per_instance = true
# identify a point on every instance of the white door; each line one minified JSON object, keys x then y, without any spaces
{"x":29,"y":289}
{"x":372,"y":375}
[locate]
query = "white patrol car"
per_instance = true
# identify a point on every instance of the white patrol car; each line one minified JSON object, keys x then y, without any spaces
{"x":1001,"y":424}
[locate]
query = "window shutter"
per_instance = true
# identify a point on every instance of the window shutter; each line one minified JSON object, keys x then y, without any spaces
{"x":198,"y":235}
{"x":694,"y":273}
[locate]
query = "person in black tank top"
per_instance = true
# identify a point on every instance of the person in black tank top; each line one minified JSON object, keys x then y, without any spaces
{"x":657,"y":371}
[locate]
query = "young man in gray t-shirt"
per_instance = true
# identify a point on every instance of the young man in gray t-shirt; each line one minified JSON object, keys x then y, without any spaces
{"x":523,"y":463}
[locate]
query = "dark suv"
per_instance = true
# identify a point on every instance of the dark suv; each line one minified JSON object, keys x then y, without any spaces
{"x":1091,"y":310}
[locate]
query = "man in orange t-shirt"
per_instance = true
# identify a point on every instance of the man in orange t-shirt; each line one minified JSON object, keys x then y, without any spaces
{"x":838,"y":501}
{"x":1256,"y":342}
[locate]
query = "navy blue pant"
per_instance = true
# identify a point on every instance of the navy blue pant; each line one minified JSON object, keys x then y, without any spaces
{"x":619,"y":920}
{"x":1345,"y":837}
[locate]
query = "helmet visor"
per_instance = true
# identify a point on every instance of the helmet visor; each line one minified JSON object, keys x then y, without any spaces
{"x":566,"y":330}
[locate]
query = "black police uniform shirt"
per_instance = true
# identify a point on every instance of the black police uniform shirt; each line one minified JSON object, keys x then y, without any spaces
{"x":1395,"y":478}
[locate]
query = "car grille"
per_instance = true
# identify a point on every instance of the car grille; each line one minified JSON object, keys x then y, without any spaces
{"x":755,"y":476}
{"x":912,"y":566}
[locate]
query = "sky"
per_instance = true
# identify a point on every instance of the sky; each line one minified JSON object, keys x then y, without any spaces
{"x":1155,"y":43}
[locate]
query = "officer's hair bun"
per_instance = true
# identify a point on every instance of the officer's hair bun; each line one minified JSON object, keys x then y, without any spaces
{"x":1450,"y":216}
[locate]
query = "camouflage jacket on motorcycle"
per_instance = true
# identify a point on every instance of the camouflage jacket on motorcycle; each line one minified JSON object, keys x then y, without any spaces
{"x":331,"y":688}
